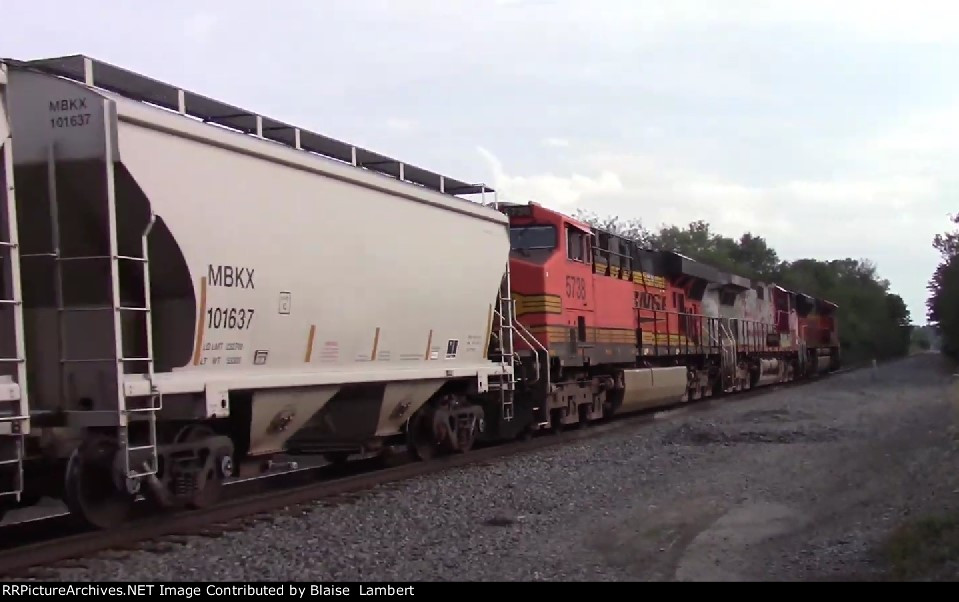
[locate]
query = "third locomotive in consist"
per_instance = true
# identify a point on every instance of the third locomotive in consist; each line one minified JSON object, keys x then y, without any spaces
{"x":190,"y":288}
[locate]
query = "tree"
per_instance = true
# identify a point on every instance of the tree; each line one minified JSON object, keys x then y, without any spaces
{"x":873,"y":323}
{"x":752,"y":251}
{"x":632,"y":229}
{"x":943,"y":303}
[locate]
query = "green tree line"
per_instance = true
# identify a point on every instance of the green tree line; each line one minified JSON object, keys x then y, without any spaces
{"x":943,"y":303}
{"x":874,"y":323}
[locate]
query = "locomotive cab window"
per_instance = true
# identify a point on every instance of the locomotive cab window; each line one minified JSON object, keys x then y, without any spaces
{"x":576,"y":245}
{"x":532,"y":237}
{"x":601,"y":252}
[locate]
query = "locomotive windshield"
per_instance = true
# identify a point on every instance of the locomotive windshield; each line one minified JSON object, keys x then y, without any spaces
{"x":532,"y":237}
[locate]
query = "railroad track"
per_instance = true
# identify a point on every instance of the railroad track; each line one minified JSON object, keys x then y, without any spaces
{"x":49,"y":541}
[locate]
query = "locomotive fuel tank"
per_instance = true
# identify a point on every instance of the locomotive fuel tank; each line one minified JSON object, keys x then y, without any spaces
{"x":650,"y":387}
{"x":770,"y":371}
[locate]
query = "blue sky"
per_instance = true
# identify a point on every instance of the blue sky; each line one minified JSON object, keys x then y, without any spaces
{"x":830,"y":128}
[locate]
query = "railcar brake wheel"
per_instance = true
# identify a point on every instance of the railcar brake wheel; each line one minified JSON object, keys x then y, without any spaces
{"x":91,"y":493}
{"x":211,"y":478}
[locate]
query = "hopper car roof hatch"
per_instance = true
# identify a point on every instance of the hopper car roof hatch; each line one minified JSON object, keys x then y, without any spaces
{"x":132,"y":85}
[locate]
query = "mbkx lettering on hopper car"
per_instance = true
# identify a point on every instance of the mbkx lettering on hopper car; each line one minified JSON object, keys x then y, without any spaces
{"x":146,"y":366}
{"x":230,"y":276}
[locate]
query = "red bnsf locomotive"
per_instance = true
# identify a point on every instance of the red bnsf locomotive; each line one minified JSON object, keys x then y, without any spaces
{"x":606,"y":326}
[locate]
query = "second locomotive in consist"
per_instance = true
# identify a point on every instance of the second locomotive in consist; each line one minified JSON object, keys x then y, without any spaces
{"x":190,"y":289}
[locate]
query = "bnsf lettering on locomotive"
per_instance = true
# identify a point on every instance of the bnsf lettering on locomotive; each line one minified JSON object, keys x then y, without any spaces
{"x":230,"y":276}
{"x":67,"y":104}
{"x":647,"y":300}
{"x":575,"y":287}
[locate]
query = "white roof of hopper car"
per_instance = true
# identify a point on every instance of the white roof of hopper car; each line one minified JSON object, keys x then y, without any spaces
{"x":139,"y":87}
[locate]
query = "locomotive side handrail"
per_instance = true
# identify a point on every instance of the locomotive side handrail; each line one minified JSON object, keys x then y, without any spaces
{"x":689,"y":319}
{"x":534,"y":344}
{"x":532,"y":341}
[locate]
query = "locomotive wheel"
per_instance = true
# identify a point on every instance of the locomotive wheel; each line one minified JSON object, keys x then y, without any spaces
{"x":211,"y":479}
{"x":91,"y":492}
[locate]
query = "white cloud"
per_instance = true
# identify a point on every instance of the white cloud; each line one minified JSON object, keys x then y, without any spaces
{"x":926,"y":133}
{"x":874,"y":206}
{"x":200,"y":25}
{"x":789,"y":211}
{"x":547,"y":189}
{"x":400,"y":125}
{"x":557,"y":142}
{"x":645,"y":20}
{"x":897,"y":20}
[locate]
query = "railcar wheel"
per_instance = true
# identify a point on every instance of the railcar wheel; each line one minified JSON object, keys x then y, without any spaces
{"x":209,"y":479}
{"x":420,"y":438}
{"x":450,"y":426}
{"x":91,"y":493}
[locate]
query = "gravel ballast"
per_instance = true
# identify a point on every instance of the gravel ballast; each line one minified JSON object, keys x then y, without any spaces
{"x":797,"y":484}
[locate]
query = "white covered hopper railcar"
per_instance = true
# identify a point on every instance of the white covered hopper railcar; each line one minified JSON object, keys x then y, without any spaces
{"x":199,"y":285}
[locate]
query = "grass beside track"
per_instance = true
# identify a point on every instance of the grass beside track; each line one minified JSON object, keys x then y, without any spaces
{"x":924,"y":549}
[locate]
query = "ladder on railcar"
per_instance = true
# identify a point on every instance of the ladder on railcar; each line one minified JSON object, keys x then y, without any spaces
{"x":140,"y":459}
{"x":507,"y":386}
{"x":14,"y":401}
